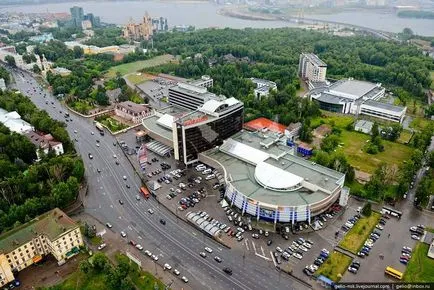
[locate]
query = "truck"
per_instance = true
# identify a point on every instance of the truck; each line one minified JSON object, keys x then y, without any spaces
{"x":145,"y":192}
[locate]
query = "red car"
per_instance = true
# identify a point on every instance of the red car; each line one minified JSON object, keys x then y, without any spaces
{"x":133,"y":243}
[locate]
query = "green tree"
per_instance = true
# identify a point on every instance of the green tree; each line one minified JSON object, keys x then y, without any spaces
{"x":367,"y":209}
{"x":330,"y":143}
{"x":85,"y":266}
{"x":10,"y":60}
{"x":100,"y":262}
{"x":36,"y":69}
{"x":78,"y":52}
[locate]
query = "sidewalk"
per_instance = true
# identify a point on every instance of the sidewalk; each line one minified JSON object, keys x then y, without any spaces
{"x":116,"y":244}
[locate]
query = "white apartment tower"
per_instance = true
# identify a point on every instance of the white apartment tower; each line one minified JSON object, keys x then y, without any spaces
{"x":311,"y":68}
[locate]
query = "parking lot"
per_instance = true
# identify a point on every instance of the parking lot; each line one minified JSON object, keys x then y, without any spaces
{"x":203,"y":197}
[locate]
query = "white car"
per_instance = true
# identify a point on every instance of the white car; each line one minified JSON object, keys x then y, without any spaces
{"x":307,"y":245}
{"x":176,"y":272}
{"x":313,"y":267}
{"x":124,"y":177}
{"x":97,"y":144}
{"x":137,"y":197}
{"x":75,"y":131}
{"x":266,"y":233}
{"x":184,"y":279}
{"x":379,"y":227}
{"x":208,"y":249}
{"x":298,"y":256}
{"x":147,"y":252}
{"x":139,"y":247}
{"x":102,"y":246}
{"x":155,"y":257}
{"x":114,"y":156}
{"x":151,"y":211}
{"x":167,"y":267}
{"x":279,"y":249}
{"x":303,"y":248}
{"x":415,"y":237}
{"x":407,"y":248}
{"x":123,"y":234}
{"x":92,"y":133}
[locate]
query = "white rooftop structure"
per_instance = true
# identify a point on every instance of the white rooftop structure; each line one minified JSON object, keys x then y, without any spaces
{"x":275,"y":178}
{"x":352,"y":89}
{"x":13,"y":121}
{"x":166,"y":121}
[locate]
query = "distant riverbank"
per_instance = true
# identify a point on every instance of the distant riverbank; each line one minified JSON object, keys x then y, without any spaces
{"x":416,"y":14}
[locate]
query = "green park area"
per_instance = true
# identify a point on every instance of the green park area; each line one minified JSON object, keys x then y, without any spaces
{"x":340,"y":121}
{"x":353,"y":143}
{"x":355,"y":237}
{"x":419,"y":123}
{"x":421,"y":267}
{"x":334,"y":267}
{"x":132,"y":67}
{"x":102,"y":275}
{"x":137,"y":78}
{"x":112,"y":124}
{"x":81,"y":106}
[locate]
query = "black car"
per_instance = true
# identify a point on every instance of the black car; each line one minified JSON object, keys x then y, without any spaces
{"x":117,"y":162}
{"x":121,"y":202}
{"x":98,"y":170}
{"x":163,"y":222}
{"x":269,"y":242}
{"x":128,"y":186}
{"x":227,"y":270}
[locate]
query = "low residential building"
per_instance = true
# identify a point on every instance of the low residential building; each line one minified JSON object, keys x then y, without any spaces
{"x":363,"y":126}
{"x":51,"y":233}
{"x":292,"y":131}
{"x":44,"y":143}
{"x":13,"y":121}
{"x":263,"y":87}
{"x":383,"y":111}
{"x":61,"y":71}
{"x":132,"y":111}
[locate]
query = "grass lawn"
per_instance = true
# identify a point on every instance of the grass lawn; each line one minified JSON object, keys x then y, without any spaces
{"x":79,"y":280}
{"x":405,"y":137}
{"x":354,"y":142}
{"x":112,"y":124}
{"x":330,"y":118}
{"x":420,"y":268}
{"x":335,"y":266}
{"x":127,"y":68}
{"x":356,"y":237}
{"x":420,"y":123}
{"x":137,"y":78}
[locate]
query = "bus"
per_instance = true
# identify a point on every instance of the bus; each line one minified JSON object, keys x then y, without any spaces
{"x":394,"y":273}
{"x":391,"y":211}
{"x":144,"y":191}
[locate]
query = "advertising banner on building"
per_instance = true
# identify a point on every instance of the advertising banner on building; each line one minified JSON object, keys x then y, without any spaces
{"x":142,"y":156}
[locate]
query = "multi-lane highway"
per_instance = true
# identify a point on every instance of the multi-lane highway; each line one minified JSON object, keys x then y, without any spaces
{"x":176,"y":243}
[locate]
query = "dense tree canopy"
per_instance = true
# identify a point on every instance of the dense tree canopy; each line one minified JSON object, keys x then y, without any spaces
{"x":363,"y":58}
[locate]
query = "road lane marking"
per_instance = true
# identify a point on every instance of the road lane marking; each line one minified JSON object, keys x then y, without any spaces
{"x":272,"y":257}
{"x":262,"y":250}
{"x":247,"y":245}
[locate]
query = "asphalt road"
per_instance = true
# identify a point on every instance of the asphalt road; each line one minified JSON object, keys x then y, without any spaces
{"x":176,"y":242}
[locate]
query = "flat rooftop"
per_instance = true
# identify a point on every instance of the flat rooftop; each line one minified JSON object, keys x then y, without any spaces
{"x":150,"y":124}
{"x":52,"y":224}
{"x":198,"y":92}
{"x":384,"y":106}
{"x":353,"y":87}
{"x":315,"y":59}
{"x":243,"y":172}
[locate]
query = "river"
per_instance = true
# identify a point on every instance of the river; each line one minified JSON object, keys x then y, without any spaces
{"x":204,"y":14}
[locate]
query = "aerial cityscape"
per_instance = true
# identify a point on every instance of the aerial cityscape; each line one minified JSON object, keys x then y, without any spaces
{"x":216,"y":144}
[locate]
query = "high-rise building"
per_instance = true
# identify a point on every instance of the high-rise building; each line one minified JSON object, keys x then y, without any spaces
{"x":139,"y":31}
{"x":77,"y":15}
{"x":312,"y":68}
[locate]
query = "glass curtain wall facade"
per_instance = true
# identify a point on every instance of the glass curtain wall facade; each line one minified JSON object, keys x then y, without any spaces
{"x":206,"y":136}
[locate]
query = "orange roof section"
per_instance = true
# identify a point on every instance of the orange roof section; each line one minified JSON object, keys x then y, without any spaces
{"x":261,"y":123}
